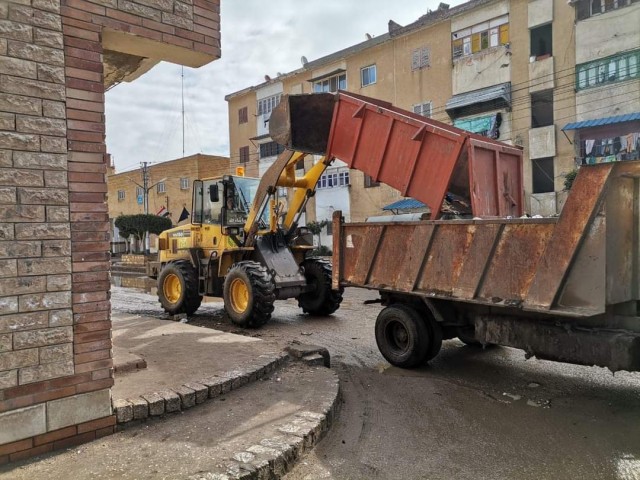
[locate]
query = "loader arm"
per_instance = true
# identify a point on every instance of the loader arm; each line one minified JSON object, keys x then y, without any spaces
{"x":283,"y":174}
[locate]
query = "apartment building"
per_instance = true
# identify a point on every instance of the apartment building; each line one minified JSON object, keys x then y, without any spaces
{"x":168,"y":189}
{"x":501,"y":68}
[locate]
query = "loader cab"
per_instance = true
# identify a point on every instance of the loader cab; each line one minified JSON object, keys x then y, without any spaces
{"x":223,"y":201}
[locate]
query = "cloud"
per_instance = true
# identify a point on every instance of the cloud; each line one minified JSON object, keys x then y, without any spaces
{"x":144,"y":119}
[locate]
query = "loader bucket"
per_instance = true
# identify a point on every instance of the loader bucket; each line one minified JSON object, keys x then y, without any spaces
{"x":302,"y":122}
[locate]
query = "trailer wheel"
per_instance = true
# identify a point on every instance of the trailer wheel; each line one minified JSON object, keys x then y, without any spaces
{"x":435,"y":331}
{"x":321,"y":299}
{"x":402,"y":336}
{"x":178,"y":288}
{"x":249,"y":294}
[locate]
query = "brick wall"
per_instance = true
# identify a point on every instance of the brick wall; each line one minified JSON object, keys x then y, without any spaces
{"x":55,"y":331}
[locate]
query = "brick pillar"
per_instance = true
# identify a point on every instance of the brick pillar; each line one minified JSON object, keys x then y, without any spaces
{"x":55,"y":328}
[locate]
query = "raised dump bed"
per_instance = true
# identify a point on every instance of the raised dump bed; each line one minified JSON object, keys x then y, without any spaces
{"x":419,"y":156}
{"x":561,"y":288}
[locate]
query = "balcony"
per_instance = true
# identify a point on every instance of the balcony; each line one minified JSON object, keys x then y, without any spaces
{"x":542,"y":142}
{"x":541,"y":74}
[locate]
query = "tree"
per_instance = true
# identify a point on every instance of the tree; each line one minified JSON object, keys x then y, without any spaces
{"x":316,"y":229}
{"x":138,"y":225}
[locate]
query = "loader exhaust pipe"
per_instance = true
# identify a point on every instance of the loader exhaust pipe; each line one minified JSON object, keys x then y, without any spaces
{"x":302,"y":123}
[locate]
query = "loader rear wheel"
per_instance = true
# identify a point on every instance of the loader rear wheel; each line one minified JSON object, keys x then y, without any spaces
{"x":178,"y":288}
{"x":402,"y":336}
{"x":320,"y":299}
{"x":249,"y":293}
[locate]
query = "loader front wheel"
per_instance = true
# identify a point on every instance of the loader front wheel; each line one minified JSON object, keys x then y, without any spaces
{"x":402,"y":336}
{"x":249,"y":293}
{"x":320,"y":299}
{"x":178,"y":288}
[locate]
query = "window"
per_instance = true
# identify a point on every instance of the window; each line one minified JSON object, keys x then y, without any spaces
{"x":368,"y":75}
{"x":542,"y":173}
{"x":334,"y":179}
{"x":542,"y":109}
{"x":184,"y":183}
{"x":331,"y":84}
{"x":266,"y":105}
{"x":120,"y":195}
{"x":589,"y":8}
{"x":139,"y":191}
{"x":244,"y":154}
{"x":300,"y":165}
{"x":480,"y":37}
{"x":616,"y":68}
{"x":270,"y":149}
{"x":420,"y":58}
{"x":282,"y":191}
{"x":423,"y":109}
{"x":160,"y":187}
{"x":243,"y":115}
{"x":541,"y":41}
{"x":368,"y":182}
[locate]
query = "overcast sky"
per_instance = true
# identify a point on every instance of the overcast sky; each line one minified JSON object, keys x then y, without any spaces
{"x":258,"y":38}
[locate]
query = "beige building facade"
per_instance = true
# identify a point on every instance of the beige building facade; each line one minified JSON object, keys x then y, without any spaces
{"x":501,"y":68}
{"x":56,"y":60}
{"x":169,"y":189}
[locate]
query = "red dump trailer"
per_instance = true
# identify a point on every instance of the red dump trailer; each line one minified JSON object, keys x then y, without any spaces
{"x":564,"y":288}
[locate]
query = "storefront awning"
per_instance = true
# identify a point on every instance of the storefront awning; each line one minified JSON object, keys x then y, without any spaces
{"x":599,"y":122}
{"x":493,"y":97}
{"x":404,"y":204}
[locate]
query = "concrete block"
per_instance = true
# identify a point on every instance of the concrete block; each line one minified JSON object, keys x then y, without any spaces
{"x":171,"y":401}
{"x":314,"y":360}
{"x":201,"y":391}
{"x":187,"y":397}
{"x":123,"y":410}
{"x":216,"y":385}
{"x":22,"y":423}
{"x":39,"y":373}
{"x":78,"y":409}
{"x":140,"y":408}
{"x":156,"y":404}
{"x":299,"y":351}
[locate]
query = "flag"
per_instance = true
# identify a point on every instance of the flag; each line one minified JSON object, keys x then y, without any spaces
{"x":162,"y":212}
{"x":184,"y":215}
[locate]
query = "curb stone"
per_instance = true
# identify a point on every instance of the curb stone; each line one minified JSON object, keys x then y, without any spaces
{"x":193,"y":393}
{"x":273,"y":457}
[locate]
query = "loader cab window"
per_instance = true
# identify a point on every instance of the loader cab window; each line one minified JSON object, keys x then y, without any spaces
{"x":206,"y":209}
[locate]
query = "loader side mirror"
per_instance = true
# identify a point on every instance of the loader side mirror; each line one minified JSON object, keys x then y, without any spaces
{"x":214,"y":193}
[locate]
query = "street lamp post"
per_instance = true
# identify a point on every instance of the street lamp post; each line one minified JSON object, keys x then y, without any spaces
{"x":145,"y":189}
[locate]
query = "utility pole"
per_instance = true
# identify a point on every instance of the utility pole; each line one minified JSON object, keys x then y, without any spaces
{"x":145,"y":183}
{"x":183,"y":112}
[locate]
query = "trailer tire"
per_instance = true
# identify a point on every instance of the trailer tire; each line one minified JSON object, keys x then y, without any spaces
{"x":403,"y":337}
{"x":435,"y":330}
{"x":178,"y":288}
{"x":249,"y":293}
{"x":322,"y":299}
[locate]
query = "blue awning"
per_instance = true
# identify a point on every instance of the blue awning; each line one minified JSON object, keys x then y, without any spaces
{"x":404,"y":204}
{"x":598,"y":122}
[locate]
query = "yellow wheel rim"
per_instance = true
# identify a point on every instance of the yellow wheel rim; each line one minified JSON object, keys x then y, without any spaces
{"x":172,"y":288}
{"x":239,"y":294}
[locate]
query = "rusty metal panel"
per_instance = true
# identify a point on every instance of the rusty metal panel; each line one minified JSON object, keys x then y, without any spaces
{"x":477,"y":259}
{"x":399,"y":256}
{"x":579,"y":211}
{"x":496,"y":180}
{"x":515,"y":260}
{"x":361,"y":246}
{"x":585,"y":286}
{"x":450,"y":245}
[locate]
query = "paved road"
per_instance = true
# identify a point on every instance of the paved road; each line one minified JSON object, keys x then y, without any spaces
{"x":470,"y":414}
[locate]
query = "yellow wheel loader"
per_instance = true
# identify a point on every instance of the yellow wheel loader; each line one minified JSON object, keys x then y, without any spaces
{"x":243,"y":244}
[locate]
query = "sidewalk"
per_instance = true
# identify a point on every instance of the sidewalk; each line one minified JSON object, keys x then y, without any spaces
{"x":256,"y":410}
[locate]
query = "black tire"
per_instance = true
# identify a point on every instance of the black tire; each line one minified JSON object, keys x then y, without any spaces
{"x":435,"y":332}
{"x":184,"y":298}
{"x":402,"y":336}
{"x":254,"y":310}
{"x":321,"y":299}
{"x":467,"y":336}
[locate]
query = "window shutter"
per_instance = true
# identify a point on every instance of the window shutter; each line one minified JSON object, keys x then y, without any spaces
{"x":504,"y":34}
{"x":415,"y":60}
{"x":424,"y":57}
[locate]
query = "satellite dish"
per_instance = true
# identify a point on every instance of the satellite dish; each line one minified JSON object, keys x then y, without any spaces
{"x":304,"y":60}
{"x":267,"y":78}
{"x":368,"y":35}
